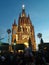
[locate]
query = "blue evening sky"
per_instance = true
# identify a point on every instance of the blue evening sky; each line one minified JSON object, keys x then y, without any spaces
{"x":37,"y":9}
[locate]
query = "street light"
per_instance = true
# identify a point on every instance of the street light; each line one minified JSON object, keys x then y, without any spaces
{"x":8,"y":31}
{"x":41,"y":40}
{"x":39,"y":35}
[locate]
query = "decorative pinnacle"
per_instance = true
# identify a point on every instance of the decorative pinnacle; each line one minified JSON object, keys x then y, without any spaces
{"x":23,"y":6}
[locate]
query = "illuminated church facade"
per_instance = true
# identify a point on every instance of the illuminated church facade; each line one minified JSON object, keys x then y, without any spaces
{"x":24,"y":30}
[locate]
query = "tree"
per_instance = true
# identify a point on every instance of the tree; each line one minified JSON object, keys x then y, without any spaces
{"x":14,"y":45}
{"x":30,"y":45}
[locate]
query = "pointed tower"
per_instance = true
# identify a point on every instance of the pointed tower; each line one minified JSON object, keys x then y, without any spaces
{"x":24,"y":30}
{"x":23,"y":11}
{"x":14,"y":30}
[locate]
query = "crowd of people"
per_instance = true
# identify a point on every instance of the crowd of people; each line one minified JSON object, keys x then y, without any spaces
{"x":23,"y":58}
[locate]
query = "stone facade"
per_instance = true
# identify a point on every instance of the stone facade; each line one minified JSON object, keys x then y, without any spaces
{"x":23,"y":31}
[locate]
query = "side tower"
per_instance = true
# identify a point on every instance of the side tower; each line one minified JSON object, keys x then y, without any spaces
{"x":14,"y":31}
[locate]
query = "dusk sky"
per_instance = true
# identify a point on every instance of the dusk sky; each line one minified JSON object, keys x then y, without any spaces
{"x":37,"y":9}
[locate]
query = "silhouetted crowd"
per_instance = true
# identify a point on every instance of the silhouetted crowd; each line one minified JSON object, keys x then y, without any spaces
{"x":24,"y":58}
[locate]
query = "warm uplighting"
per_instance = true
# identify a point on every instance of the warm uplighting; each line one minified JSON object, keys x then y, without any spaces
{"x":26,"y":44}
{"x":16,"y":37}
{"x":14,"y":43}
{"x":45,"y":48}
{"x":20,"y":50}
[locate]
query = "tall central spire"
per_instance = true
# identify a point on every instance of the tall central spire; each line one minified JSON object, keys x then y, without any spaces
{"x":23,"y":11}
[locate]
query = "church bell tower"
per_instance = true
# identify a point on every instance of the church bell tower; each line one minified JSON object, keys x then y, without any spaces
{"x":24,"y":30}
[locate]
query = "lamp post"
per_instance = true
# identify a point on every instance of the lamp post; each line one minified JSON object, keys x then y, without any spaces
{"x":8,"y":31}
{"x":39,"y":35}
{"x":41,"y":40}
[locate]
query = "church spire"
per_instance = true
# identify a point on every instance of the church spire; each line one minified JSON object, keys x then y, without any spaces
{"x":23,"y":11}
{"x":14,"y":24}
